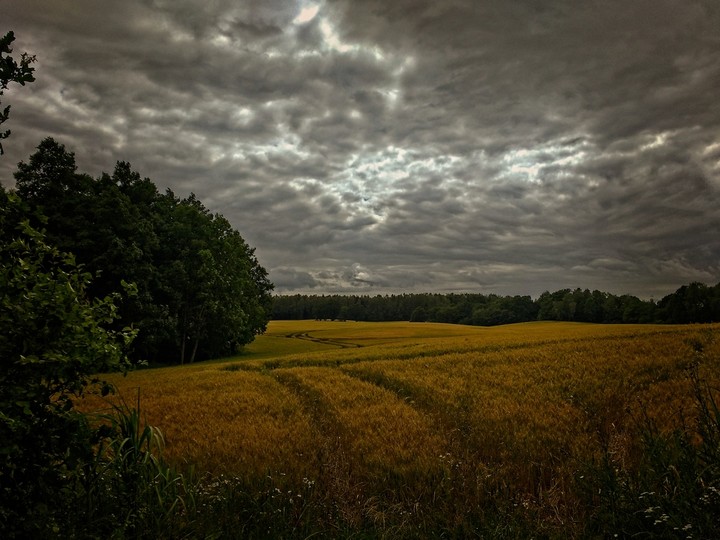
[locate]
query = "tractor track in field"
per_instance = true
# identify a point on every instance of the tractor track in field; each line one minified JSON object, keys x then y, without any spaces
{"x":323,"y":341}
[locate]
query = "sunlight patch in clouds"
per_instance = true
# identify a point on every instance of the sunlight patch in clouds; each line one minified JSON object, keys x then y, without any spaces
{"x":531,"y":164}
{"x":332,"y":39}
{"x":286,"y":145}
{"x":657,"y":140}
{"x":307,"y":14}
{"x":372,"y":182}
{"x":334,"y":43}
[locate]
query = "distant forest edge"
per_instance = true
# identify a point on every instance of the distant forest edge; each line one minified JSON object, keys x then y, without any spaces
{"x":693,"y":303}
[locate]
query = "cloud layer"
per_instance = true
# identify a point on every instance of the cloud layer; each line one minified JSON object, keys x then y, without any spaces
{"x":385,"y":147}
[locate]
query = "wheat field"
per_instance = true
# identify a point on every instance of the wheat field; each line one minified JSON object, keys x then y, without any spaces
{"x":390,"y":416}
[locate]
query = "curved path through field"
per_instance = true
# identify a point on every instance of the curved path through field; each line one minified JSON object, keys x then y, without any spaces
{"x":323,"y":341}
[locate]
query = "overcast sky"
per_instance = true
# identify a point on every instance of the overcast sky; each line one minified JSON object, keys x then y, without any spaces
{"x":374,"y":146}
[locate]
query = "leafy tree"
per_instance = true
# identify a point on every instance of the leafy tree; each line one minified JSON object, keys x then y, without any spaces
{"x":693,"y":303}
{"x":11,"y":71}
{"x":419,"y":315}
{"x":594,"y":306}
{"x":555,"y":306}
{"x":217,"y":293}
{"x":50,"y":175}
{"x":52,"y":339}
{"x":200,"y":290}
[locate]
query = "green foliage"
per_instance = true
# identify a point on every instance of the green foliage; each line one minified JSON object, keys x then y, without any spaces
{"x":60,"y":476}
{"x":127,"y":490}
{"x":52,"y":340}
{"x":212,"y":285}
{"x":12,"y":71}
{"x":693,"y":303}
{"x":199,"y":290}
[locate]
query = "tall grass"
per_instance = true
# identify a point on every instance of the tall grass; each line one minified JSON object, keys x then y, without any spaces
{"x":128,"y":490}
{"x":672,"y":489}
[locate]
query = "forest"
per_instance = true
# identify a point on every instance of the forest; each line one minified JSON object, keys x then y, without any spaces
{"x":692,"y":303}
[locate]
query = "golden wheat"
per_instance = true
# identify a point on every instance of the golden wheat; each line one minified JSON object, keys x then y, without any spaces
{"x":387,"y":400}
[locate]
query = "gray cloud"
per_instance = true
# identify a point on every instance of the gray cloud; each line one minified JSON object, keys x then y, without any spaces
{"x":508,"y":147}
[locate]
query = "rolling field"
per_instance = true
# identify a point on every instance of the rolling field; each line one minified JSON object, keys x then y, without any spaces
{"x":406,"y":421}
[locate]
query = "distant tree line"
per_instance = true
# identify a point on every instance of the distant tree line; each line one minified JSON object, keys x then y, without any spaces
{"x":191,"y":286}
{"x":693,"y":303}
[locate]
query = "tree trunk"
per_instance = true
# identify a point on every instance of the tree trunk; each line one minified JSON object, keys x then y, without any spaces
{"x":182,"y":349}
{"x":183,"y":338}
{"x":195,"y":346}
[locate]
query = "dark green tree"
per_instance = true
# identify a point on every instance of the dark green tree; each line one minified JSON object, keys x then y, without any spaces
{"x":418,"y":315}
{"x":53,"y":338}
{"x":49,"y":175}
{"x":693,"y":303}
{"x":217,"y":293}
{"x":98,"y":223}
{"x":12,"y":71}
{"x":200,"y":290}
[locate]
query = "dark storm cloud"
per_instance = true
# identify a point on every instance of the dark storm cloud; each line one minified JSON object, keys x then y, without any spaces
{"x":496,"y":146}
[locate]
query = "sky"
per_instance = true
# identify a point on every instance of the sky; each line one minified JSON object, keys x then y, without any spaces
{"x":375,"y":147}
